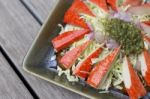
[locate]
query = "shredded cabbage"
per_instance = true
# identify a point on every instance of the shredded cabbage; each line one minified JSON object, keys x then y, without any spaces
{"x":95,"y":9}
{"x":104,"y":53}
{"x":147,"y":45}
{"x":77,"y":43}
{"x":91,"y":48}
{"x":117,"y":73}
{"x":145,"y":17}
{"x":142,"y":79}
{"x":87,"y":52}
{"x":115,"y":77}
{"x":68,"y":27}
{"x":68,"y":74}
{"x":133,"y":60}
{"x":107,"y":82}
{"x":95,"y":23}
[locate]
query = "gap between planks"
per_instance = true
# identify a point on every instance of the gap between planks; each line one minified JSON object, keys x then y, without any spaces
{"x":30,"y":8}
{"x":11,"y":87}
{"x":45,"y":89}
{"x":37,"y":17}
{"x":26,"y":84}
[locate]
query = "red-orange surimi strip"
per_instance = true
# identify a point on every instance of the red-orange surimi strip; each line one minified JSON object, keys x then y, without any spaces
{"x":136,"y":89}
{"x":71,"y":56}
{"x":146,"y":56}
{"x":72,"y":16}
{"x":101,"y":3}
{"x":101,"y":69}
{"x":65,"y":39}
{"x":113,"y":4}
{"x":83,"y":68}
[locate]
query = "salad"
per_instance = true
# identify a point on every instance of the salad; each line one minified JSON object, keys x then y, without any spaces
{"x":106,"y":44}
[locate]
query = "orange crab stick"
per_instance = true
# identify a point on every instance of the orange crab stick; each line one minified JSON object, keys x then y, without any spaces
{"x":72,"y":16}
{"x":80,"y":7}
{"x":145,"y":66}
{"x":113,"y":4}
{"x":132,"y":2}
{"x":71,"y":56}
{"x":147,"y":22}
{"x":83,"y":68}
{"x":140,"y":11}
{"x":65,"y":39}
{"x":101,"y":3}
{"x":101,"y":70}
{"x":133,"y":85}
{"x":146,"y":38}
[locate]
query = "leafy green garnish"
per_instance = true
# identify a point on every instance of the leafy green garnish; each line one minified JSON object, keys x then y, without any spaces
{"x":125,"y":33}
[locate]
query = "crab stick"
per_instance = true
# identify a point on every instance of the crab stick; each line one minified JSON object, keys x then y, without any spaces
{"x":133,"y":85}
{"x":72,"y":16}
{"x":101,"y":70}
{"x":132,"y":2}
{"x":113,"y":4}
{"x":101,"y":3}
{"x":146,"y":38}
{"x":144,"y":58}
{"x":139,"y":10}
{"x":83,"y":68}
{"x":71,"y":56}
{"x":147,"y":22}
{"x":65,"y":39}
{"x":146,"y":29}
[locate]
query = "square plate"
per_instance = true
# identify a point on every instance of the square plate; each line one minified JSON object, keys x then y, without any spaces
{"x":37,"y":59}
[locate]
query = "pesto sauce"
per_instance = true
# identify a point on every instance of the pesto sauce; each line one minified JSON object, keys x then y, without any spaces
{"x":125,"y":33}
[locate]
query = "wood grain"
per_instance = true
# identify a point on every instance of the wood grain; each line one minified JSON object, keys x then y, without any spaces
{"x":11,"y":86}
{"x":41,"y":7}
{"x":17,"y":31}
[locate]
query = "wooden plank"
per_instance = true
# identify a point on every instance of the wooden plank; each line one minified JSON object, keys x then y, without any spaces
{"x":11,"y":87}
{"x":40,"y":8}
{"x":18,"y":28}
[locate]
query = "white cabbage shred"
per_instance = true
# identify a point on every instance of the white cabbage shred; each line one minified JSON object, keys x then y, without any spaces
{"x":117,"y":74}
{"x":95,"y":9}
{"x":68,"y":27}
{"x":68,"y":74}
{"x":115,"y":77}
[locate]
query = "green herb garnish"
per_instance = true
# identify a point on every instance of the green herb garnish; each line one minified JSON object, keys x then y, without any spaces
{"x":125,"y":33}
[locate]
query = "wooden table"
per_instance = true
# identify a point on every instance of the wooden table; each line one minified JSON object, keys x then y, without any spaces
{"x":20,"y":21}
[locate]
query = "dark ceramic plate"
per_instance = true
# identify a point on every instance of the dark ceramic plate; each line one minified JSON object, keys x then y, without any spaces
{"x":37,"y":60}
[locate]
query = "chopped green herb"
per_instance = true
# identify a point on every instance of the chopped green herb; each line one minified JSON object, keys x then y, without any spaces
{"x":125,"y":33}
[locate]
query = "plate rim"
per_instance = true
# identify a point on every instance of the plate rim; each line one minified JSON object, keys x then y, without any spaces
{"x":30,"y":51}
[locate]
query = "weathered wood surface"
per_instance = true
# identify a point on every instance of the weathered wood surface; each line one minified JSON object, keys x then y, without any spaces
{"x":17,"y":31}
{"x":11,"y":87}
{"x":41,"y":7}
